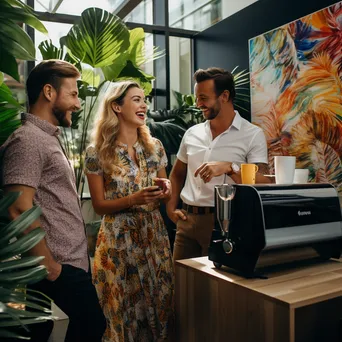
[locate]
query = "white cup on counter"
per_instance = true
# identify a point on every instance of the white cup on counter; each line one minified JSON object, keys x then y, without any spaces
{"x":301,"y":176}
{"x":284,"y":167}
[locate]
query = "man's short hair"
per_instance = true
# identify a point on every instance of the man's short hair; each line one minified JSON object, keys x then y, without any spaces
{"x":223,"y":80}
{"x":50,"y":71}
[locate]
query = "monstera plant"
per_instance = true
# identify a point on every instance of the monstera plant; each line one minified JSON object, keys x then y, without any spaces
{"x":104,"y":50}
{"x":14,"y":44}
{"x":16,"y":270}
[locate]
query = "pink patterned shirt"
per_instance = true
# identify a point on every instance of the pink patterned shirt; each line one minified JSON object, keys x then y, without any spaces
{"x":33,"y":156}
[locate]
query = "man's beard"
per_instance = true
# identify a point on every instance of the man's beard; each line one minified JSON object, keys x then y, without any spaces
{"x":60,"y":115}
{"x":213,"y":111}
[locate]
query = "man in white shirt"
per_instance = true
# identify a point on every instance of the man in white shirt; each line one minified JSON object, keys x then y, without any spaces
{"x":208,"y":153}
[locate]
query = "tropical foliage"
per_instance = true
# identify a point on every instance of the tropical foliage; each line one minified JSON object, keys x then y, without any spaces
{"x":104,"y":50}
{"x":16,"y":271}
{"x":169,"y":125}
{"x":296,"y":91}
{"x":14,"y":44}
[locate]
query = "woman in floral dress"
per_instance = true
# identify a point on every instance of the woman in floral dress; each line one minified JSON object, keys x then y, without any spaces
{"x":133,"y":271}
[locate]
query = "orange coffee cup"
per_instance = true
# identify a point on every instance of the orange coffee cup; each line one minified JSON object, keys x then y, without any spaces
{"x":248,"y":172}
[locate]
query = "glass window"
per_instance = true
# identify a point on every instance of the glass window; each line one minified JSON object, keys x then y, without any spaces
{"x":180,"y":67}
{"x":148,"y":67}
{"x":201,"y":14}
{"x":194,"y":14}
{"x":75,"y":7}
{"x":142,"y":14}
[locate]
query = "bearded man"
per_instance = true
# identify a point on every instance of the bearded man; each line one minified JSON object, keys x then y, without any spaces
{"x":35,"y":164}
{"x":208,"y":153}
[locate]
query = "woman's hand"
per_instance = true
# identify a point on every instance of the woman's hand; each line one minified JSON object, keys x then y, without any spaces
{"x":146,"y":195}
{"x":165,"y":185}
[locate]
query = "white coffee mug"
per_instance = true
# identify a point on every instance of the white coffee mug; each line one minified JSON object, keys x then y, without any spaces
{"x":301,"y":176}
{"x":284,"y":167}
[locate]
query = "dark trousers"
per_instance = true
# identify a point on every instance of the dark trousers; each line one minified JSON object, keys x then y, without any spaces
{"x":74,"y":293}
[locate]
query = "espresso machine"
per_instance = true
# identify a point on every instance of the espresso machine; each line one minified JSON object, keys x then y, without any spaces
{"x":264,"y":225}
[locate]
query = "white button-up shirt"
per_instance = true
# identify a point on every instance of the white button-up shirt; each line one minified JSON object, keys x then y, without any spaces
{"x":242,"y":142}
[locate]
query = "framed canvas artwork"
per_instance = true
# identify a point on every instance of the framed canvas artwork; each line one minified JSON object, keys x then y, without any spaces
{"x":296,"y":92}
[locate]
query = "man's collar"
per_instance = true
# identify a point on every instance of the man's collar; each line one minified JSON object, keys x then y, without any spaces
{"x":237,"y":120}
{"x":42,"y":124}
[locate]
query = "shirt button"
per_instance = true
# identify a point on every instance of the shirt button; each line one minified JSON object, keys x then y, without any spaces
{"x":199,"y":188}
{"x":209,"y":148}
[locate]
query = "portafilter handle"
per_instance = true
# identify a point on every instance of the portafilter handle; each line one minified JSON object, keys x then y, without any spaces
{"x":224,"y":194}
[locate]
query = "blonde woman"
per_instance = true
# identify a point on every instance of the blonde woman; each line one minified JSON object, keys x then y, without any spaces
{"x":125,"y":168}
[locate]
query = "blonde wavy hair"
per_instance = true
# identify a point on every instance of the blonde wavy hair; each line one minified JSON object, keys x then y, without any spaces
{"x":107,"y":126}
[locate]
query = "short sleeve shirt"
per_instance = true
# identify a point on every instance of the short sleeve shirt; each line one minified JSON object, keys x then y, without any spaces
{"x":33,"y":156}
{"x":242,"y":142}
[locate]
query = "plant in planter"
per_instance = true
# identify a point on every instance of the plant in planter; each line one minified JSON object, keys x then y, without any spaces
{"x":104,"y":50}
{"x":16,"y":271}
{"x":14,"y":44}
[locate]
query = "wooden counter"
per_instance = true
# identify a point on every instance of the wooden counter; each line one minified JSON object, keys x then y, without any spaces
{"x":301,"y":303}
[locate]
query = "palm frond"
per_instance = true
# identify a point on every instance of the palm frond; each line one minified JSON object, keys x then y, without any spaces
{"x":19,"y":270}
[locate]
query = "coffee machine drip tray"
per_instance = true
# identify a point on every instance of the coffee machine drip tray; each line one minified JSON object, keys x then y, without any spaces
{"x":274,"y":224}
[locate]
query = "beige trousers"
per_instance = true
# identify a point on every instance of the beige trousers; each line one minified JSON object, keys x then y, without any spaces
{"x":193,"y":236}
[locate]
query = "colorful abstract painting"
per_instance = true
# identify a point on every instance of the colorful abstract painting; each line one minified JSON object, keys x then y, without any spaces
{"x":296,"y":92}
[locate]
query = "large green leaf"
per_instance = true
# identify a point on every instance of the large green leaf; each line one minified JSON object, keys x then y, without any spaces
{"x":137,"y":43}
{"x":8,"y":64}
{"x":50,"y":51}
{"x":23,"y":244}
{"x":137,"y":52}
{"x":21,"y":14}
{"x":18,"y":225}
{"x":90,"y":76}
{"x":20,"y":263}
{"x":9,"y":334}
{"x":7,"y":201}
{"x":9,"y":115}
{"x":6,"y":96}
{"x":22,"y":295}
{"x":28,"y":276}
{"x":126,"y":65}
{"x":134,"y":73}
{"x":98,"y":38}
{"x":16,"y":41}
{"x":112,"y":72}
{"x":23,"y":271}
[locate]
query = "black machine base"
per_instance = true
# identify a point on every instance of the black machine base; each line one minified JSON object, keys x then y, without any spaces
{"x":251,"y":264}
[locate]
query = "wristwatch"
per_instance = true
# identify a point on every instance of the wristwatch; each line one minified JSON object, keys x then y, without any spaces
{"x":235,"y":168}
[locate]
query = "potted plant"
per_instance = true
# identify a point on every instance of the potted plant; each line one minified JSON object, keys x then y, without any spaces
{"x":104,"y":50}
{"x":17,"y":270}
{"x":14,"y":44}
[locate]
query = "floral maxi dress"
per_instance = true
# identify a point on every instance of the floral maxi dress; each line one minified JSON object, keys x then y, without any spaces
{"x":133,"y":272}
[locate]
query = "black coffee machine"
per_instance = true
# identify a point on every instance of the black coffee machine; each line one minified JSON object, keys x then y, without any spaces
{"x":273,"y":224}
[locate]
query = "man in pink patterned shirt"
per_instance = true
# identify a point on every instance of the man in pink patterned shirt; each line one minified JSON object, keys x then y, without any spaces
{"x":34,"y":163}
